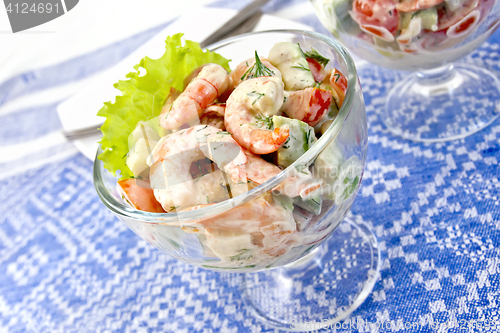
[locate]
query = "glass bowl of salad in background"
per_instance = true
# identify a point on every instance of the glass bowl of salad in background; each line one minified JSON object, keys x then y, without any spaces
{"x":297,"y":242}
{"x":441,"y":100}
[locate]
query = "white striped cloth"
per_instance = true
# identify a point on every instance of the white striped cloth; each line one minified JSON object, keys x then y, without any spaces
{"x":68,"y":265}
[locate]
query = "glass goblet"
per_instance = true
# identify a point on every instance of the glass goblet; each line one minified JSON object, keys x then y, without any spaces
{"x":442,"y":100}
{"x":316,"y":272}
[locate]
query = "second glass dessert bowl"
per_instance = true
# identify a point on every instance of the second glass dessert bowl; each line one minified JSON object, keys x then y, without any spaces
{"x":441,"y":100}
{"x":279,"y":252}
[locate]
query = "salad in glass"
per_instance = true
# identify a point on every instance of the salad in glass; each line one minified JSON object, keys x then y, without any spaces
{"x":398,"y":27}
{"x":190,"y":135}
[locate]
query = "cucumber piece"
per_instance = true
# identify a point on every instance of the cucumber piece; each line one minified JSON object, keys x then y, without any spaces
{"x":327,"y":167}
{"x":285,"y":201}
{"x":301,"y":138}
{"x":142,"y":131}
{"x":341,"y":176}
{"x":141,"y":141}
{"x":312,"y":205}
{"x":429,"y":18}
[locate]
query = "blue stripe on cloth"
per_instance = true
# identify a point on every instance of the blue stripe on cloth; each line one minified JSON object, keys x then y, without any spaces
{"x":74,"y":69}
{"x":29,"y":124}
{"x":19,"y":219}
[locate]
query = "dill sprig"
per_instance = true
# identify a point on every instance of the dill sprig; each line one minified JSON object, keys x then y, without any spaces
{"x":309,"y":139}
{"x":286,"y":145}
{"x":199,"y":167}
{"x":263,"y":121}
{"x":301,"y":66}
{"x":313,"y":54}
{"x":241,"y":255}
{"x":257,"y":96}
{"x":257,"y":70}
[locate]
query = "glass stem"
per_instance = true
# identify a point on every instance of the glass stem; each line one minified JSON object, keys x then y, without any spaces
{"x":436,"y":76}
{"x":438,"y":81}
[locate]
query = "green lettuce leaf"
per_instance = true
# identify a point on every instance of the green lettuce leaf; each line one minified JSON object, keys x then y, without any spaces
{"x":143,"y":96}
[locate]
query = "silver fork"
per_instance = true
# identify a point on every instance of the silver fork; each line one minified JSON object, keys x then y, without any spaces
{"x":233,"y":27}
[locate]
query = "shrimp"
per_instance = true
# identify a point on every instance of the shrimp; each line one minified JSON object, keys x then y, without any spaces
{"x":194,"y":73}
{"x":203,"y":90}
{"x":260,"y":225}
{"x":238,"y":74}
{"x":309,"y":105}
{"x":414,"y":5}
{"x":213,"y":115}
{"x":171,"y":160}
{"x":167,"y":105}
{"x":248,"y":114}
{"x":259,"y":171}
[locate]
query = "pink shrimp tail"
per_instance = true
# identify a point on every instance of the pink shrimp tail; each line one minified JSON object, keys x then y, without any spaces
{"x":202,"y":91}
{"x":265,"y":141}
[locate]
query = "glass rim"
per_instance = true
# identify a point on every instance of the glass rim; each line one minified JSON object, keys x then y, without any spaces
{"x":122,"y":209}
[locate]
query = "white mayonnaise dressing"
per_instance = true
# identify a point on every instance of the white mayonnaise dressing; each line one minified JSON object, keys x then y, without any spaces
{"x":290,"y":60}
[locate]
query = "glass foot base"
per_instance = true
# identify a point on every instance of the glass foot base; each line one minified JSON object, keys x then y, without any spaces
{"x":320,"y":290}
{"x":456,"y":103}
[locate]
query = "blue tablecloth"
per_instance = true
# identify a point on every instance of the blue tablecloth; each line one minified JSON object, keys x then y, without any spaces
{"x":67,"y":264}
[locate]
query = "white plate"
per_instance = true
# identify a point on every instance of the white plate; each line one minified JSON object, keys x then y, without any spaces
{"x":79,"y":111}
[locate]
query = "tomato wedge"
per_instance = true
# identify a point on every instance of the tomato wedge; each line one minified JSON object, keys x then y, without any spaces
{"x":140,"y":195}
{"x":309,"y":105}
{"x":316,"y":69}
{"x":338,"y":82}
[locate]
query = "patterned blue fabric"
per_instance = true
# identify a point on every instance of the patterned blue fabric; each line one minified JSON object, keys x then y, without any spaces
{"x":68,"y":265}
